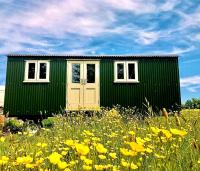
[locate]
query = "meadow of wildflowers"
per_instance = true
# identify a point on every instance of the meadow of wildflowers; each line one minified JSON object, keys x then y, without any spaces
{"x":106,"y":142}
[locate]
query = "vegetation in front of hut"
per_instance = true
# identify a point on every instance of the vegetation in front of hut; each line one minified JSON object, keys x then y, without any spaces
{"x":112,"y":139}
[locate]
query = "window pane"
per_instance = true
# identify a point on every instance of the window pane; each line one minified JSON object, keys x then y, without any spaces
{"x":75,"y":73}
{"x":120,"y":71}
{"x":131,"y":71}
{"x":43,"y":71}
{"x":31,"y":70}
{"x":90,"y":73}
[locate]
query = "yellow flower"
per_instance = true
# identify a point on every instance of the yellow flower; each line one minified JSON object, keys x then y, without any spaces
{"x":147,"y":139}
{"x":88,"y":133}
{"x":69,"y":142}
{"x":113,"y":155}
{"x":88,"y":161}
{"x":102,"y":156}
{"x":115,"y":168}
{"x":140,"y":141}
{"x":136,"y":147}
{"x":30,"y":166}
{"x":39,"y":161}
{"x":99,"y":167}
{"x":134,"y":166}
{"x":181,"y":133}
{"x":100,"y":148}
{"x":82,"y":149}
{"x":39,"y":153}
{"x":54,"y":158}
{"x":159,"y":156}
{"x":86,"y":167}
{"x":127,"y":152}
{"x":3,"y":160}
{"x":62,"y":165}
{"x":148,"y":150}
{"x":67,"y":169}
{"x":27,"y":159}
{"x":42,"y":145}
{"x":19,"y":160}
{"x":83,"y":158}
{"x":2,"y":139}
{"x":131,"y":132}
{"x":95,"y":139}
{"x":155,"y":130}
{"x":124,"y":163}
{"x":198,"y":161}
{"x":167,"y":133}
{"x":63,"y":153}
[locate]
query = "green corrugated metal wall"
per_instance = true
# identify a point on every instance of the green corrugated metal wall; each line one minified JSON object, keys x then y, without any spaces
{"x":31,"y":98}
{"x":158,"y":82}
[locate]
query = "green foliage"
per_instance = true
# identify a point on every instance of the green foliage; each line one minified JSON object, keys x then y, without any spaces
{"x":194,"y":103}
{"x":48,"y":123}
{"x":142,"y":144}
{"x":13,"y":125}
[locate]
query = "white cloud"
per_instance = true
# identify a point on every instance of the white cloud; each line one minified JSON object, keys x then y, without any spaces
{"x":136,"y":6}
{"x":83,"y":18}
{"x":192,"y":83}
{"x":169,"y":5}
{"x":193,"y":89}
{"x":147,"y":37}
{"x":189,"y":20}
{"x":142,"y":6}
{"x":176,"y":50}
{"x":196,"y":37}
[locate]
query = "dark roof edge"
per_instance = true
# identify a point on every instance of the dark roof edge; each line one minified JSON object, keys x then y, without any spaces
{"x":94,"y":56}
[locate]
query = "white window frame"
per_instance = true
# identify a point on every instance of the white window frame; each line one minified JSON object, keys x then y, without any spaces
{"x":37,"y":71}
{"x":126,"y":78}
{"x":115,"y":71}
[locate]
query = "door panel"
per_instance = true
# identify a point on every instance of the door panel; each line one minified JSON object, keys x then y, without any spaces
{"x":74,"y":88}
{"x":83,"y":85}
{"x":91,"y":87}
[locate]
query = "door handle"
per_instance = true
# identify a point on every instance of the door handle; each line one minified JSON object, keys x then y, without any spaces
{"x":85,"y":81}
{"x":82,"y":81}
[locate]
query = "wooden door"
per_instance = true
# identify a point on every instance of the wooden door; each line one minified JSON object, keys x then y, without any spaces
{"x":91,"y":85}
{"x":83,"y":85}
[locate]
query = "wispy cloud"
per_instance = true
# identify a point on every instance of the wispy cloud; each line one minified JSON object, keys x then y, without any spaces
{"x":176,"y":50}
{"x":192,"y":83}
{"x":31,"y":20}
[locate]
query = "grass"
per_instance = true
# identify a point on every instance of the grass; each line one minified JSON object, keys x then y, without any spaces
{"x":109,"y":142}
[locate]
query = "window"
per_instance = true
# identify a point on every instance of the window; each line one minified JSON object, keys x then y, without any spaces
{"x":36,"y":71}
{"x":126,"y":71}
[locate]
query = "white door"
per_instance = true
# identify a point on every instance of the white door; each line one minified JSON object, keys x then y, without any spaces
{"x":83,"y":85}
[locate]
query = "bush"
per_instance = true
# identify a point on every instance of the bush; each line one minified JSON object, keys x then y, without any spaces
{"x":14,"y":125}
{"x":48,"y":123}
{"x":194,"y":103}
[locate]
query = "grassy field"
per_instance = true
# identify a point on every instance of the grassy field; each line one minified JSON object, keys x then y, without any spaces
{"x":109,"y":142}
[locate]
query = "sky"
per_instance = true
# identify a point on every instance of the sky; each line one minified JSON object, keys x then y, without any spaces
{"x":99,"y":27}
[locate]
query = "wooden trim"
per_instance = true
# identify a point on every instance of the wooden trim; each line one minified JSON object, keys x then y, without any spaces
{"x":36,"y":79}
{"x":126,"y":80}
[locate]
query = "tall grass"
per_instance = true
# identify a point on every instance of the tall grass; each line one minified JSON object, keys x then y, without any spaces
{"x":113,"y":139}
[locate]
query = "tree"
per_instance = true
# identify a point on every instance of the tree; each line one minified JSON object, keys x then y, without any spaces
{"x":194,"y":103}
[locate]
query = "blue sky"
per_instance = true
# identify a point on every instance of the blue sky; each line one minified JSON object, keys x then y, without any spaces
{"x":105,"y":27}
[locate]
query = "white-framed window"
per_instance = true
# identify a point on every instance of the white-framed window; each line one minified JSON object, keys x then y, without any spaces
{"x":36,"y":71}
{"x":126,"y":72}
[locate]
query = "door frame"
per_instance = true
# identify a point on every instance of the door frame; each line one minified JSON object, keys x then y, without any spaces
{"x":68,"y":79}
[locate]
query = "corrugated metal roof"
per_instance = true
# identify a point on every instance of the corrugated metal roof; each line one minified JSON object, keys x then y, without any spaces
{"x":94,"y":56}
